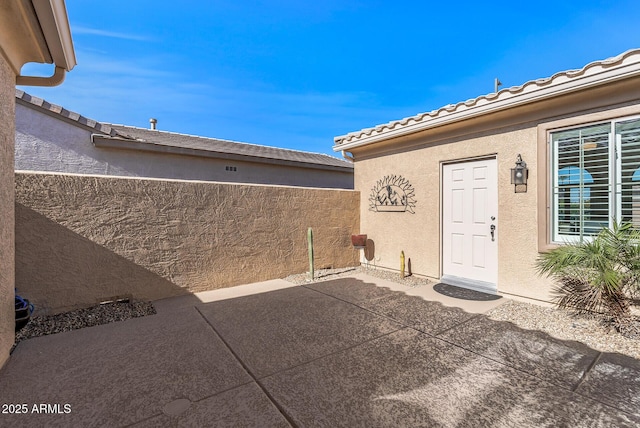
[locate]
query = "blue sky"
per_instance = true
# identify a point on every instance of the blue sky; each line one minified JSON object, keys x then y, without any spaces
{"x":296,"y":74}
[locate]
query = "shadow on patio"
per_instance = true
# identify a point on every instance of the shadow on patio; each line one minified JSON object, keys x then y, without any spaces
{"x":345,"y":352}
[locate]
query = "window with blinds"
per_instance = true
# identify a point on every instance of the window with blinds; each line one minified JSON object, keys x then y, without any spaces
{"x":628,"y":165}
{"x":588,"y":163}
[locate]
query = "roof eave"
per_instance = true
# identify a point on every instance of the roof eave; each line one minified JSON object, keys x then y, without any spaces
{"x":54,"y":21}
{"x":104,"y":141}
{"x":36,"y":31}
{"x":545,"y":90}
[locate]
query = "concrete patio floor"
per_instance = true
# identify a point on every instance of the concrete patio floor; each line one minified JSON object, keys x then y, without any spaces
{"x":357,"y":351}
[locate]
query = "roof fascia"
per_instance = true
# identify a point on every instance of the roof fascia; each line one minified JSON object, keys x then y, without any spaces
{"x":541,"y":93}
{"x":36,"y":31}
{"x":54,"y":22}
{"x":103,"y":141}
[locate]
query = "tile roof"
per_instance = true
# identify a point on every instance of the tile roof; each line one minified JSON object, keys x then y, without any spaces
{"x":67,"y":114}
{"x":530,"y":91}
{"x":192,"y":143}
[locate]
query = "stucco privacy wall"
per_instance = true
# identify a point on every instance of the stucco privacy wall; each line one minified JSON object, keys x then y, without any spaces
{"x":418,"y":235}
{"x":83,"y":239}
{"x":7,"y":136}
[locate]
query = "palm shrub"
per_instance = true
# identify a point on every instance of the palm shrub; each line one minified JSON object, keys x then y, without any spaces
{"x":599,"y":275}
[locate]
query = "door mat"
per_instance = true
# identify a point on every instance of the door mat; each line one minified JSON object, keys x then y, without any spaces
{"x":464,"y":293}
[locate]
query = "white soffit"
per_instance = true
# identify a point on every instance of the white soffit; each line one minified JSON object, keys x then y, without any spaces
{"x":597,"y":73}
{"x":36,"y":31}
{"x":52,"y":15}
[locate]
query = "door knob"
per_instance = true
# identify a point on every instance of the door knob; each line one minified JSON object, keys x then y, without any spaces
{"x":493,"y":232}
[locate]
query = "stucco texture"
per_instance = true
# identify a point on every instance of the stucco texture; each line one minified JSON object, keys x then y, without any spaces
{"x":523,"y":220}
{"x":418,"y":235}
{"x":83,"y":239}
{"x":7,"y":132}
{"x":48,"y":143}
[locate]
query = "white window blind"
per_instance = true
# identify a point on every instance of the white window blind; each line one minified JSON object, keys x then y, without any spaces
{"x":595,"y":178}
{"x":581,"y":185}
{"x":628,"y":177}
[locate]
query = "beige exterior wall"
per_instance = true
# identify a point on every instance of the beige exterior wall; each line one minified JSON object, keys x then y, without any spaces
{"x":522,"y":220}
{"x":7,"y":135}
{"x":418,"y":235}
{"x":83,"y":239}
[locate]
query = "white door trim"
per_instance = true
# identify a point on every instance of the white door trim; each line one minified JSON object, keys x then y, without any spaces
{"x":469,"y":201}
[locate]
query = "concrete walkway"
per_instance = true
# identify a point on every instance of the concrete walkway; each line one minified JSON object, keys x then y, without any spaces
{"x":350,"y":352}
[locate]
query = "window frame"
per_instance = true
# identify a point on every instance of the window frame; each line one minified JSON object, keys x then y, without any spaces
{"x":545,"y":167}
{"x":612,"y":149}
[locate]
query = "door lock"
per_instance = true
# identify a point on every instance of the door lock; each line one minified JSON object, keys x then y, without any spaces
{"x":493,"y":232}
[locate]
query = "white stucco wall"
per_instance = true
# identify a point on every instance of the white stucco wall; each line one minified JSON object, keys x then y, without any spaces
{"x":46,"y":143}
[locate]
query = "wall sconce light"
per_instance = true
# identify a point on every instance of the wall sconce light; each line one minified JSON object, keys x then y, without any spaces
{"x":519,"y":175}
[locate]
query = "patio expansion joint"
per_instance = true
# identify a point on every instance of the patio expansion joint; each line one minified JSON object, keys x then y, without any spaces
{"x":437,"y":337}
{"x":339,"y":351}
{"x":277,"y":405}
{"x":364,"y":309}
{"x":404,"y":325}
{"x":586,"y":372}
{"x":584,"y":377}
{"x":456,"y":325}
{"x":571,"y":390}
{"x":137,"y":423}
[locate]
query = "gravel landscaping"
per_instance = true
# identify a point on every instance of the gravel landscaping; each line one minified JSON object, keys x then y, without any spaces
{"x":329,"y":274}
{"x":595,"y":331}
{"x":80,"y":318}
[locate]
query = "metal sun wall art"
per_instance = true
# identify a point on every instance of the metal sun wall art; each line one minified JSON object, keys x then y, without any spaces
{"x":393,"y":193}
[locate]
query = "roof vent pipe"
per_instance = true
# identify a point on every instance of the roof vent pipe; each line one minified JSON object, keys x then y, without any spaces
{"x":153,"y":122}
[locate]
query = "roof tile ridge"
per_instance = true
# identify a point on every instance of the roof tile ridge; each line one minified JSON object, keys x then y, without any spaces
{"x":203,"y":137}
{"x":493,"y":96}
{"x":68,"y":114}
{"x":177,"y":133}
{"x":571,"y":73}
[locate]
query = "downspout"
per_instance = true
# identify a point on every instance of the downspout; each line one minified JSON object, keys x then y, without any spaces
{"x":54,"y":80}
{"x":347,"y":156}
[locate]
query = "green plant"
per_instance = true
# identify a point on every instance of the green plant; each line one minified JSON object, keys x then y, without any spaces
{"x":310,"y":250}
{"x":597,"y":275}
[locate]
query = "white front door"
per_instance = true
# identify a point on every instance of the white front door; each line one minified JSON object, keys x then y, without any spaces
{"x":470,"y":225}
